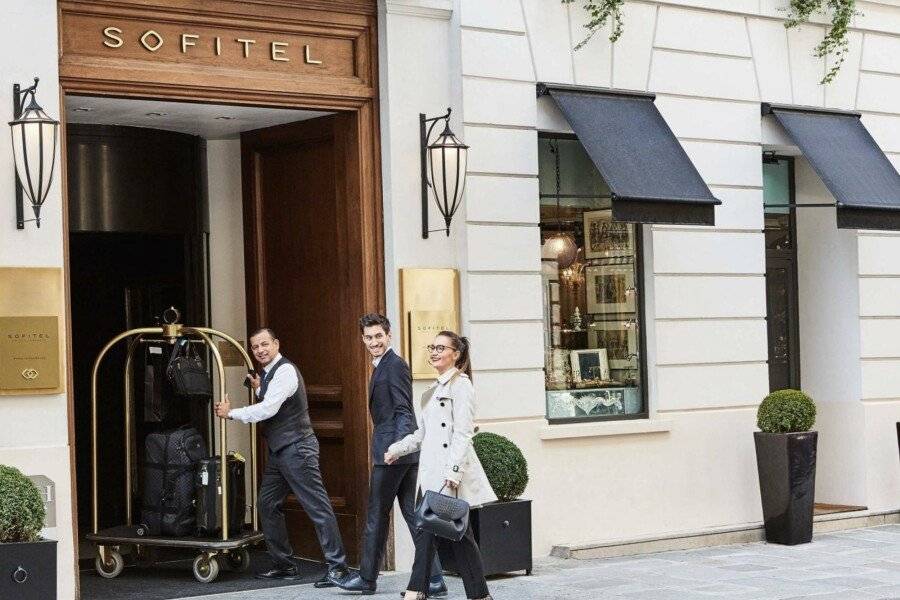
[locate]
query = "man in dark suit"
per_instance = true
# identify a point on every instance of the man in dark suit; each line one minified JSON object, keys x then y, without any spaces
{"x":390,"y":404}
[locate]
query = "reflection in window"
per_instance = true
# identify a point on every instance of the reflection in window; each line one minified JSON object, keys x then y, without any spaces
{"x":592,"y":304}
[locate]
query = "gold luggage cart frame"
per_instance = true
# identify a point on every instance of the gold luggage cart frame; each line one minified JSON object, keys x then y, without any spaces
{"x":109,"y":562}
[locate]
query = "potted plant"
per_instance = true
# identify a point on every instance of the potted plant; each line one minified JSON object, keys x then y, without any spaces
{"x":27,"y":562}
{"x":786,"y":461}
{"x":503,"y":528}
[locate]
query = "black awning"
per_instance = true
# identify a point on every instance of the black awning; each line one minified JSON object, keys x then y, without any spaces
{"x":649,"y":174}
{"x":864,"y":183}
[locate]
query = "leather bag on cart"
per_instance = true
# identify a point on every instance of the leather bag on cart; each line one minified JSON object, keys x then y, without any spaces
{"x":170,"y":460}
{"x":187,"y":372}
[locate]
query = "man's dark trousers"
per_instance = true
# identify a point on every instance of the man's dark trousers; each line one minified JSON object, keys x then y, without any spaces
{"x":393,"y":418}
{"x":295,"y":468}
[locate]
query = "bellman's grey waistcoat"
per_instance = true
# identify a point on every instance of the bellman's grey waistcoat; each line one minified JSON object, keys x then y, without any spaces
{"x":291,"y":423}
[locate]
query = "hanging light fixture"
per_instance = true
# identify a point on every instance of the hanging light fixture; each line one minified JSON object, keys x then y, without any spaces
{"x":561,"y":244}
{"x":444,"y":164}
{"x":34,"y":139}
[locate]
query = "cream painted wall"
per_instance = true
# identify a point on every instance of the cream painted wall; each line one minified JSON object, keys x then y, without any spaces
{"x":710,"y":62}
{"x":38,"y":443}
{"x":226,"y":248}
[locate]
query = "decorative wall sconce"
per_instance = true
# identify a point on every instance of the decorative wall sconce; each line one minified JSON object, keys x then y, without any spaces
{"x":34,"y":139}
{"x":443,"y":170}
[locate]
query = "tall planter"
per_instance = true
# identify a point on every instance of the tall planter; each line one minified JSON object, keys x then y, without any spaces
{"x":503,"y":533}
{"x":787,"y":479}
{"x":28,"y":570}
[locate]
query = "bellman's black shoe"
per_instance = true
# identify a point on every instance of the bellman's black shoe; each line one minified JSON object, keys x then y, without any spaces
{"x":437,"y":588}
{"x":334,"y":577}
{"x":355,"y":583}
{"x":288,"y":573}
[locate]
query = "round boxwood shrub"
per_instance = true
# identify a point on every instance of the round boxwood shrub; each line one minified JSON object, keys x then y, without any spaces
{"x":786,"y":411}
{"x":504,"y":465}
{"x":21,"y":507}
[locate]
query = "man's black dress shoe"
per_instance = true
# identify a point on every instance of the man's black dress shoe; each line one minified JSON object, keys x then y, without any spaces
{"x":355,"y":583}
{"x":280,"y":573}
{"x":437,"y":588}
{"x":334,"y":577}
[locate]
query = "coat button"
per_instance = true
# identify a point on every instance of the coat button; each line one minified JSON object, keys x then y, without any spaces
{"x":443,"y":424}
{"x":445,"y":445}
{"x":442,"y":403}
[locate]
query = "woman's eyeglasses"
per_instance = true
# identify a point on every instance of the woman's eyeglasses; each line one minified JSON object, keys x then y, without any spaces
{"x":439,"y":348}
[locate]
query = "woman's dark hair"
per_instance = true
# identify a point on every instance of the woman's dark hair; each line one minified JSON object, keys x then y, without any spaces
{"x":373,"y":319}
{"x":462,"y":345}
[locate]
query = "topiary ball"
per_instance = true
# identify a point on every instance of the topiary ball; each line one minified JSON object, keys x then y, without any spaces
{"x":503,"y":463}
{"x":786,"y":411}
{"x":21,"y":507}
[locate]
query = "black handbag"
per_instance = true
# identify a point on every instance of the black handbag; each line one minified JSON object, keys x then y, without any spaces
{"x":444,"y":516}
{"x":187,"y":373}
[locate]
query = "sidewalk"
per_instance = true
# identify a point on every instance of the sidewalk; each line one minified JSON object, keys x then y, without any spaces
{"x":847,"y":565}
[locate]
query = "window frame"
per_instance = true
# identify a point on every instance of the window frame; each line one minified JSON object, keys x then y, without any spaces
{"x":640,"y":310}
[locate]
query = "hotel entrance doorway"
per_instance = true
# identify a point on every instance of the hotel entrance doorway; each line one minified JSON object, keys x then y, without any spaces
{"x":295,"y":201}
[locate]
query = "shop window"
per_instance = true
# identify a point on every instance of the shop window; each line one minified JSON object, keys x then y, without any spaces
{"x":782,"y":305}
{"x":592,"y":284}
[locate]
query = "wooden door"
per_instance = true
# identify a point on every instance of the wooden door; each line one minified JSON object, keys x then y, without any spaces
{"x":306,"y":267}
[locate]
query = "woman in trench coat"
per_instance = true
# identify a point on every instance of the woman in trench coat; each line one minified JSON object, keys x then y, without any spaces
{"x":447,"y":460}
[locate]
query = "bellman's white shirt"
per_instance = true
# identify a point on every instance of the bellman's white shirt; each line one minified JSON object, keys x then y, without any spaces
{"x":283,"y":385}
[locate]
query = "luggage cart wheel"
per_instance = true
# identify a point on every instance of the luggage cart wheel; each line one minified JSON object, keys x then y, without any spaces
{"x":239,"y":560}
{"x":113,"y":565}
{"x":206,"y":568}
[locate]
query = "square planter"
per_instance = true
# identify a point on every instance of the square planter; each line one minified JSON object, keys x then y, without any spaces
{"x":28,"y":570}
{"x":503,"y":533}
{"x":787,"y":481}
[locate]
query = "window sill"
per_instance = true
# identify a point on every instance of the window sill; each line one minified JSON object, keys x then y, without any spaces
{"x":604,"y":429}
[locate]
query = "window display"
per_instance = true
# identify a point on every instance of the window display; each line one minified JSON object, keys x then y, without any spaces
{"x":592,"y":304}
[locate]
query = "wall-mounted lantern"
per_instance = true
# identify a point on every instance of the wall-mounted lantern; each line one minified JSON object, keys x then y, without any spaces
{"x":34,"y":139}
{"x":443,"y":170}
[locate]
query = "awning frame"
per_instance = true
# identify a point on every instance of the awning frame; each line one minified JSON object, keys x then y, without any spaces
{"x":848,"y":216}
{"x":645,"y":209}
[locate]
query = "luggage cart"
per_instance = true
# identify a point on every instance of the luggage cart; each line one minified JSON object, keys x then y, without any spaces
{"x":232,"y":547}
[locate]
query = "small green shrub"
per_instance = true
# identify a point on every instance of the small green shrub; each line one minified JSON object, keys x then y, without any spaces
{"x":504,"y":465}
{"x":21,"y":507}
{"x":786,"y":411}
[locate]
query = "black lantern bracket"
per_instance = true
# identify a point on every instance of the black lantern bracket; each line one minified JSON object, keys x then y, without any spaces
{"x":426,"y":128}
{"x":20,"y":97}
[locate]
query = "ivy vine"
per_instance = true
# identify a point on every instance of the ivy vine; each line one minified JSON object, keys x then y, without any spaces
{"x":834,"y":44}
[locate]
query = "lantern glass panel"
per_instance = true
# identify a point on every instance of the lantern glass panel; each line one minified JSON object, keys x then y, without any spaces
{"x":448,"y":172}
{"x":34,"y":150}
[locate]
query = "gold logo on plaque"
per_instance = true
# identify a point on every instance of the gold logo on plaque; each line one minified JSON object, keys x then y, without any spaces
{"x":30,"y":374}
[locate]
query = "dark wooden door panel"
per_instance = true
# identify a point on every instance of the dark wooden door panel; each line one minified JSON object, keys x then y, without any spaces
{"x":305,"y":260}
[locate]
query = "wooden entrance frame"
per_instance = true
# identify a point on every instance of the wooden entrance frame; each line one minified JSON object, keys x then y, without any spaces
{"x":344,"y":81}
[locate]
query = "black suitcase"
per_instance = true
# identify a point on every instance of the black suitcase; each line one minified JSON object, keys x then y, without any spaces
{"x":169,"y":463}
{"x":208,"y":486}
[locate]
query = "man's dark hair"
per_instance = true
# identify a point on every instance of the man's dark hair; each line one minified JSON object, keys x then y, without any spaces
{"x":263,"y":330}
{"x":374,"y":319}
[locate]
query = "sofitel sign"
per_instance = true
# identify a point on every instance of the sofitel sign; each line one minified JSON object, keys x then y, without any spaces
{"x":152,"y":41}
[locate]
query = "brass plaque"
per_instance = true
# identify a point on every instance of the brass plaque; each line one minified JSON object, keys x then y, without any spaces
{"x":429,"y":302}
{"x":29,"y":353}
{"x":231,"y":357}
{"x":423,"y":326}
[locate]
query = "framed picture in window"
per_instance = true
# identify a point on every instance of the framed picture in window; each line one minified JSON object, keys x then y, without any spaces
{"x":589,"y":365}
{"x":604,"y":237}
{"x":618,"y":339}
{"x":610,"y":289}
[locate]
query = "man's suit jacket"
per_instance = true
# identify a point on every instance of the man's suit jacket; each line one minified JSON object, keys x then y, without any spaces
{"x":390,"y":404}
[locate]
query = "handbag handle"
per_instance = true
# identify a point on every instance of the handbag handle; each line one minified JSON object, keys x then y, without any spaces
{"x":456,"y":489}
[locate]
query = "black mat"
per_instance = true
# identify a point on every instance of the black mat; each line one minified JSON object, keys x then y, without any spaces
{"x":174,"y":579}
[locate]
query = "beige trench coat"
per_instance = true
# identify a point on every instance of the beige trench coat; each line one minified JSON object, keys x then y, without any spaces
{"x":444,"y":438}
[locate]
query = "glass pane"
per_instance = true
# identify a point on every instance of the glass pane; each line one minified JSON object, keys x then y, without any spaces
{"x":591,"y":306}
{"x":777,"y":199}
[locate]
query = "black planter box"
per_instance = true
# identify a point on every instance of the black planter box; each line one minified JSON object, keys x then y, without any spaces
{"x":503,"y":533}
{"x":28,"y":570}
{"x":787,"y":481}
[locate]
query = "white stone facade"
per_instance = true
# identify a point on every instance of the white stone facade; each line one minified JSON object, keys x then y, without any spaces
{"x":691,"y":467}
